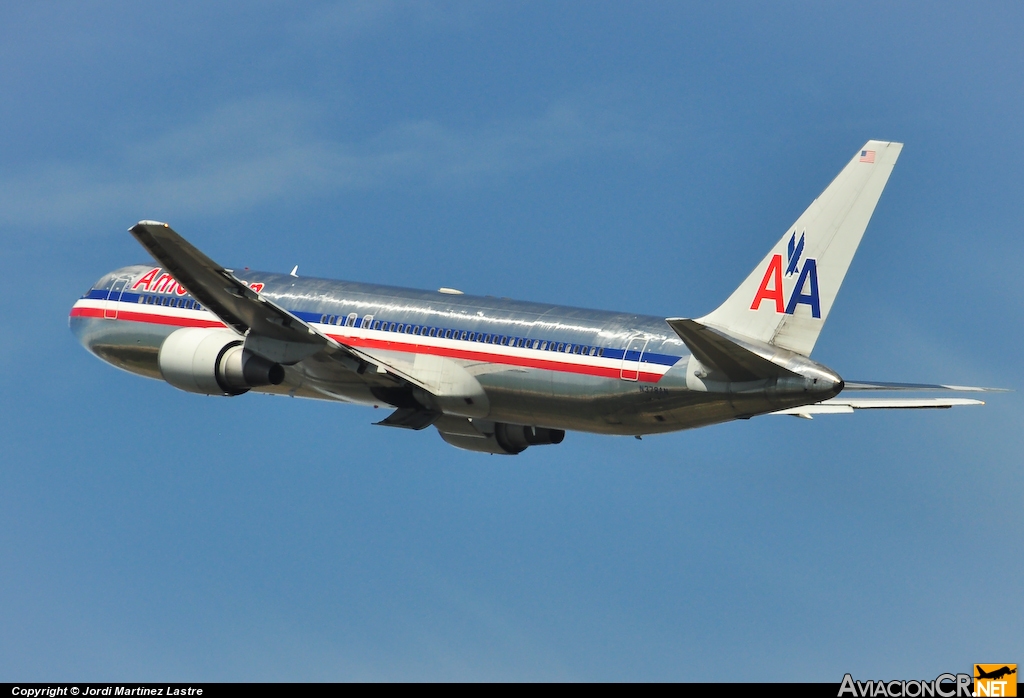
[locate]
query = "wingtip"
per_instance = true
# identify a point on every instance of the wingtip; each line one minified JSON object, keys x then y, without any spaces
{"x":159,"y":224}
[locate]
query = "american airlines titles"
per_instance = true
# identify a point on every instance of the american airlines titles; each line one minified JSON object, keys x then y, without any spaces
{"x":153,"y":281}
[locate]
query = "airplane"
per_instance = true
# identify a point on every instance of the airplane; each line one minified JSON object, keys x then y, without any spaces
{"x":996,"y":674}
{"x":497,"y":375}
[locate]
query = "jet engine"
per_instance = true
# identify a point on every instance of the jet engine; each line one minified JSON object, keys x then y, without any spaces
{"x":515,"y":439}
{"x":496,"y":437}
{"x":214,"y":362}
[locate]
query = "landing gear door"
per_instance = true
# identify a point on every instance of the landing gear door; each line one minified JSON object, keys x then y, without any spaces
{"x":630,"y":370}
{"x":114,"y":297}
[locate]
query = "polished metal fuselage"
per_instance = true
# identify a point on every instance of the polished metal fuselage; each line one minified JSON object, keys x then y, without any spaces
{"x":562,"y":368}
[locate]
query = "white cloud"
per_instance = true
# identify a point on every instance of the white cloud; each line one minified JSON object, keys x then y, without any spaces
{"x":261,"y":150}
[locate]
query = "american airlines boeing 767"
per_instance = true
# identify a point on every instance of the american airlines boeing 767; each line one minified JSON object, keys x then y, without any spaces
{"x":493,"y":375}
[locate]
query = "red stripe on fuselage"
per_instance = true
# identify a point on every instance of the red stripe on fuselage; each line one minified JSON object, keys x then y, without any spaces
{"x":411,"y":348}
{"x":470,"y":355}
{"x":129,"y":316}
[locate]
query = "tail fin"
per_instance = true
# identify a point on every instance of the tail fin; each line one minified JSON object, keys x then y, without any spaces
{"x":786,"y":299}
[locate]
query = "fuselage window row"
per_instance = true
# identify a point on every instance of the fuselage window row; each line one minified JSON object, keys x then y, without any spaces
{"x":352,"y":320}
{"x":170,"y":302}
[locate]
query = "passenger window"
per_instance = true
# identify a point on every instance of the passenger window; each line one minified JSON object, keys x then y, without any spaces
{"x":464,"y":336}
{"x":472,"y":336}
{"x":433,"y":331}
{"x":447,"y":334}
{"x":352,"y":319}
{"x":376,"y":325}
{"x":593,"y":351}
{"x":504,"y":341}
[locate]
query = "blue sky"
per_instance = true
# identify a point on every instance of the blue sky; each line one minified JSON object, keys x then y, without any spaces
{"x":640,"y":157}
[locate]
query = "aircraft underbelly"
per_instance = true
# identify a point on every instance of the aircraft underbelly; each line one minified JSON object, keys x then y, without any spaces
{"x":517,"y":395}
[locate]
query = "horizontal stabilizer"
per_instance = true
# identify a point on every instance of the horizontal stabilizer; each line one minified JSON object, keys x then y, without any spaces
{"x":876,"y":385}
{"x":844,"y":406}
{"x":717,"y":351}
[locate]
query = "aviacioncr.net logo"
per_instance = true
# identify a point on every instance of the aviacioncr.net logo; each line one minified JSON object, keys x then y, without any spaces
{"x":943,"y":686}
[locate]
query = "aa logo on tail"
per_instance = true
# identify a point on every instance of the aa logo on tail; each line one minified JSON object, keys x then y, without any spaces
{"x":804,"y":292}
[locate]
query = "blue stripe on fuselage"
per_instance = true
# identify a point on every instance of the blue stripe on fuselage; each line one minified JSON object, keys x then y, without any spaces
{"x":315,"y":317}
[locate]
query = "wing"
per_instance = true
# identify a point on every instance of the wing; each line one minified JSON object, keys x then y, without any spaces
{"x":325,"y":365}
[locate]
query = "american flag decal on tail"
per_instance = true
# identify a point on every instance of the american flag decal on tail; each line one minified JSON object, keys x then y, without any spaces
{"x":867,"y":156}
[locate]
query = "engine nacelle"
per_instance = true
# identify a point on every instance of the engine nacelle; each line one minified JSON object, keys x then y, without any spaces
{"x":497,"y":437}
{"x":214,"y":362}
{"x":515,"y":439}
